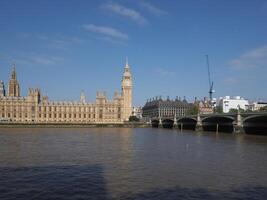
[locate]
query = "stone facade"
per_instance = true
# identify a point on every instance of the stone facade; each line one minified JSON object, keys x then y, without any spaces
{"x":204,"y":106}
{"x":13,"y":85}
{"x":159,"y":108}
{"x":35,"y":108}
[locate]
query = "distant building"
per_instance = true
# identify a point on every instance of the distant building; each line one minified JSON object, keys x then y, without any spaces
{"x":37,"y":108}
{"x":13,"y":84}
{"x":159,"y":108}
{"x":137,"y":112}
{"x":204,"y":106}
{"x":256,"y":106}
{"x":226,"y":103}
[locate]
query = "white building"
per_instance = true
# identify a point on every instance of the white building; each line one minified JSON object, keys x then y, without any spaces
{"x":256,"y":106}
{"x":227,"y":103}
{"x":137,"y":112}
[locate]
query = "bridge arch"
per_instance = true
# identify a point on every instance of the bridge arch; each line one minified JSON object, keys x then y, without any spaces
{"x":188,"y":123}
{"x":155,"y":123}
{"x":218,"y":123}
{"x":256,"y":124}
{"x":167,"y":123}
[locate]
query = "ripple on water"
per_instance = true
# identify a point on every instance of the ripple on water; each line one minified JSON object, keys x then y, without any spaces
{"x":129,"y":164}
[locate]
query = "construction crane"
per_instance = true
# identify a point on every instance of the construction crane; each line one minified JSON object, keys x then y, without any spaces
{"x":211,"y":90}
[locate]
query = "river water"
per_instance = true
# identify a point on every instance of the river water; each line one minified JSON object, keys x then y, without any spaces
{"x":125,"y":163}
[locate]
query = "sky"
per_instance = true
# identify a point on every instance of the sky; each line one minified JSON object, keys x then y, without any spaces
{"x":63,"y":47}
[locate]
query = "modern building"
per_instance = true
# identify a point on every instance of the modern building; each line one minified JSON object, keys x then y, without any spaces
{"x":226,"y":103}
{"x":137,"y":112}
{"x":256,"y":106}
{"x":37,"y":108}
{"x":159,"y":108}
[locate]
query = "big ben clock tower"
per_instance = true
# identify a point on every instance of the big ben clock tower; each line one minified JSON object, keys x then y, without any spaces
{"x":126,"y":91}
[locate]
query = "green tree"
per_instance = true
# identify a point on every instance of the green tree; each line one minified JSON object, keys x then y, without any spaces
{"x":263,"y":109}
{"x":234,"y":110}
{"x":133,"y":119}
{"x":192,"y":110}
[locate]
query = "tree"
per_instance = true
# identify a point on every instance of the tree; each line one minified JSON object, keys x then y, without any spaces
{"x":133,"y":119}
{"x":263,"y":109}
{"x":192,"y":110}
{"x":234,"y":110}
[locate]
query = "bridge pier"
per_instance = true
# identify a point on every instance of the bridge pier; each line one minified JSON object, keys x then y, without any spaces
{"x":150,"y":122}
{"x":238,"y":129}
{"x":199,"y":126}
{"x":160,"y":123}
{"x":175,"y":124}
{"x":238,"y":126}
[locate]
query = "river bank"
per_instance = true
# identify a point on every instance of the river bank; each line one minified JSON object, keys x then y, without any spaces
{"x":73,"y":125}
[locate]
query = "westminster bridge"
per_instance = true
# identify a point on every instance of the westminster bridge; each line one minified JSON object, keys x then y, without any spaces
{"x":246,"y":122}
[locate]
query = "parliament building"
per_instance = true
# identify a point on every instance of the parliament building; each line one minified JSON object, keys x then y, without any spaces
{"x":35,"y":108}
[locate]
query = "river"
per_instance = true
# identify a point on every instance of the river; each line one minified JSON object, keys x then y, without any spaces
{"x":125,"y":163}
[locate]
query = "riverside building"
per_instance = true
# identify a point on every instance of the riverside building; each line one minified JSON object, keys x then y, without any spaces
{"x":227,"y":103}
{"x":159,"y":108}
{"x":35,"y":108}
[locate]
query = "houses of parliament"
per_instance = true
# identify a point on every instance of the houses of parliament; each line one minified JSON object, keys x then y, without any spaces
{"x":35,"y":108}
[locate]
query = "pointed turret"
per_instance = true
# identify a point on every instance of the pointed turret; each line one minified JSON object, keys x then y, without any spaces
{"x":13,"y":85}
{"x":126,"y":72}
{"x":13,"y":73}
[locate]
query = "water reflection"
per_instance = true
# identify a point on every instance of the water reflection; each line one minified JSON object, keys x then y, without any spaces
{"x":122,"y":163}
{"x":53,"y":182}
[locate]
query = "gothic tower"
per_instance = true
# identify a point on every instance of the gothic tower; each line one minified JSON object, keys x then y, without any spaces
{"x":126,"y":91}
{"x":13,"y":85}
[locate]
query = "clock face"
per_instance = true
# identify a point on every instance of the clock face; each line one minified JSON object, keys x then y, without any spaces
{"x":127,"y":82}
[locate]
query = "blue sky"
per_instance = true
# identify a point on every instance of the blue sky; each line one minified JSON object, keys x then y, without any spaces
{"x":64,"y":47}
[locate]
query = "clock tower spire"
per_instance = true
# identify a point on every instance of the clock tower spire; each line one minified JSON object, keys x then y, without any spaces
{"x":126,"y":91}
